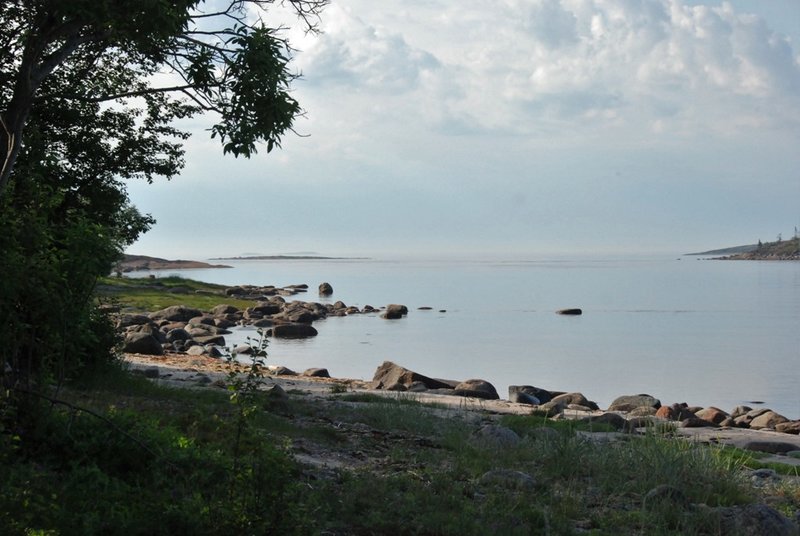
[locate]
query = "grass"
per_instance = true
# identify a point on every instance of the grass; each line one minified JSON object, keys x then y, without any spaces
{"x":404,"y":468}
{"x":146,"y":294}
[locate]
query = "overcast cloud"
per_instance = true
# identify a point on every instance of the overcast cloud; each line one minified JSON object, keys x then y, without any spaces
{"x":514,"y":128}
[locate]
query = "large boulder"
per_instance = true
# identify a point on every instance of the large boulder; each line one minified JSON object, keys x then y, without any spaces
{"x":177,"y":313}
{"x":394,"y":311}
{"x":293,"y":331}
{"x":325,"y":289}
{"x":712,"y":414}
{"x":575,"y":399}
{"x":631,"y":402}
{"x":476,"y":389}
{"x":768,"y":419}
{"x":754,"y":520}
{"x":393,"y":377}
{"x":142,"y":343}
{"x":224,"y":309}
{"x":531,"y":393}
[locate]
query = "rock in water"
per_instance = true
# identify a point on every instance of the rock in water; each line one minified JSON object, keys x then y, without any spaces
{"x":325,"y":289}
{"x":572,"y":311}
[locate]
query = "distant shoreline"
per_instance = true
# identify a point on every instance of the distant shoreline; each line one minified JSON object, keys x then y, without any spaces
{"x":288,"y":258}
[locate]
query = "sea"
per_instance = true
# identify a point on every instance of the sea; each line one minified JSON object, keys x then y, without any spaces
{"x":681,"y":328}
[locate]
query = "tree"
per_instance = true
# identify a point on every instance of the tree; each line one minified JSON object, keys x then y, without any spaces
{"x":80,"y":113}
{"x":223,"y":60}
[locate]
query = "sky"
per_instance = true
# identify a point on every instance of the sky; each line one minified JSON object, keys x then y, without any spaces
{"x":510,"y":129}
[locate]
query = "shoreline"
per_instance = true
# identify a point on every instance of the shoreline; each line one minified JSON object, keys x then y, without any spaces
{"x":185,"y":371}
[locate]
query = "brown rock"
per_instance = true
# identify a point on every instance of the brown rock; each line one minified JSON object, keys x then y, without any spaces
{"x":476,"y":389}
{"x":768,"y":419}
{"x":789,"y":427}
{"x":389,"y":374}
{"x":712,"y":414}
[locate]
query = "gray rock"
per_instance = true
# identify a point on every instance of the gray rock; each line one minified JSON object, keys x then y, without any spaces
{"x":631,"y":402}
{"x":316,"y":373}
{"x":142,"y":343}
{"x":224,"y":309}
{"x":282,"y":371}
{"x":126,"y":320}
{"x":177,"y":334}
{"x":773,"y":447}
{"x":615,"y":420}
{"x":151,"y":372}
{"x":755,"y":520}
{"x":293,"y":331}
{"x":696,"y":422}
{"x":389,"y":375}
{"x":177,"y":313}
{"x":394,"y":311}
{"x":218,"y":340}
{"x":325,"y":289}
{"x":576,"y":399}
{"x":571,"y":312}
{"x":540,"y":394}
{"x":476,"y":389}
{"x":499,"y":435}
{"x":519,"y":397}
{"x":197,"y":349}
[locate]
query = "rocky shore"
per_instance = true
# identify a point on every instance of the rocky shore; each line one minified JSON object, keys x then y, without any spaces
{"x":179,"y":335}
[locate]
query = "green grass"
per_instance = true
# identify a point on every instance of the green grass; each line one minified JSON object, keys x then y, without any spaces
{"x":415,"y":470}
{"x":147,"y":294}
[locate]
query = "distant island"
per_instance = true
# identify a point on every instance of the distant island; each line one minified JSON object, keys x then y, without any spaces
{"x":288,"y":258}
{"x":780,"y":250}
{"x":137,"y":263}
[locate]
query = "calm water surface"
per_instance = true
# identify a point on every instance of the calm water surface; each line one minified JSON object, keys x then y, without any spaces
{"x":684,"y":330}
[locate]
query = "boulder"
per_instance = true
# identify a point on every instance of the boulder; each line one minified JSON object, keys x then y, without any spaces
{"x":615,"y":420}
{"x":394,"y":311}
{"x":789,"y":427}
{"x":142,"y":343}
{"x":218,"y":340}
{"x":630,"y":402}
{"x":325,"y":289}
{"x":754,"y":520}
{"x":389,"y":375}
{"x":712,"y":414}
{"x":476,"y":389}
{"x":570,"y":312}
{"x":576,"y":399}
{"x":773,"y":447}
{"x":499,"y":435}
{"x":224,"y":309}
{"x":177,"y":313}
{"x":696,"y":422}
{"x":316,"y":373}
{"x":738,"y":411}
{"x":123,"y":321}
{"x":539,"y":394}
{"x":293,"y":331}
{"x":177,"y":334}
{"x":768,"y":419}
{"x":520,"y":397}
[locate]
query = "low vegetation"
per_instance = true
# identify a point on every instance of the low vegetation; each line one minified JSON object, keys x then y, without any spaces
{"x":140,"y":458}
{"x":145,"y":294}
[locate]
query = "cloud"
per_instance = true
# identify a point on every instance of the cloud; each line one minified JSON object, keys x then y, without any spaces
{"x":526,"y":67}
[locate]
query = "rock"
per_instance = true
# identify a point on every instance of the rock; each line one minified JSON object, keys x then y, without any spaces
{"x":177,"y":334}
{"x":142,"y":343}
{"x":197,"y":349}
{"x":508,"y":478}
{"x":615,"y":420}
{"x":575,"y":399}
{"x":282,"y":371}
{"x":293,"y":331}
{"x":151,"y":372}
{"x":499,"y":435}
{"x":696,"y":422}
{"x":754,"y":520}
{"x":752,"y":414}
{"x":712,"y":414}
{"x":738,"y":411}
{"x":631,"y":402}
{"x":667,"y":412}
{"x":768,"y":419}
{"x":789,"y":427}
{"x":214,"y":351}
{"x":262,"y":323}
{"x":643,"y":411}
{"x":389,"y":374}
{"x":316,"y":373}
{"x":224,"y":309}
{"x":519,"y":397}
{"x":572,"y":312}
{"x":218,"y":340}
{"x":126,"y":320}
{"x":325,"y":289}
{"x":476,"y":389}
{"x":394,"y":311}
{"x":177,"y":313}
{"x":242,"y":349}
{"x":773,"y":447}
{"x":541,"y":395}
{"x":276,"y":392}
